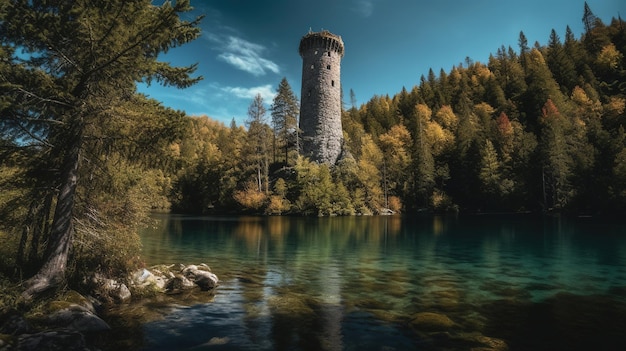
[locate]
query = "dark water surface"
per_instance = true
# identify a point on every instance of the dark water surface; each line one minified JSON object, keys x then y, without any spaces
{"x":364,"y":283}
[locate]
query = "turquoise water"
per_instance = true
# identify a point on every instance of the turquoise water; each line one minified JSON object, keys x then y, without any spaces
{"x":362,"y":283}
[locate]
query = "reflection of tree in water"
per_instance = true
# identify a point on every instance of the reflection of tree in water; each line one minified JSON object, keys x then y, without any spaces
{"x":251,"y":231}
{"x":334,"y":283}
{"x":305,"y":305}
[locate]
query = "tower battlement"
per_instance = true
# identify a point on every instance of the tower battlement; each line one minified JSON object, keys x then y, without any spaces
{"x":321,"y":40}
{"x":320,"y":98}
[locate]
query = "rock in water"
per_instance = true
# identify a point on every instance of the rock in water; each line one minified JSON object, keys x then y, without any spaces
{"x":178,"y":284}
{"x":175,"y":278}
{"x":205,"y":279}
{"x":111,"y":289}
{"x":430,"y":321}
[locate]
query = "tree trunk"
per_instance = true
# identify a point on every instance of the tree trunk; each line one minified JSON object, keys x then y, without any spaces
{"x":41,"y":226}
{"x":52,"y":273}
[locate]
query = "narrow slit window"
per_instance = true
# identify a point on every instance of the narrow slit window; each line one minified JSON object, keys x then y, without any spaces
{"x":332,"y":83}
{"x":329,"y":54}
{"x":328,"y":67}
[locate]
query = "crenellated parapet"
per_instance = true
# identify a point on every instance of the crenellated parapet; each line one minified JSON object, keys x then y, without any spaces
{"x":324,"y":40}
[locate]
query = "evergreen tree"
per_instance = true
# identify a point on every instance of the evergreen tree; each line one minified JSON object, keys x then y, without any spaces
{"x":589,"y":19}
{"x":561,"y":64}
{"x":556,"y":161}
{"x":259,"y":142}
{"x":596,"y":35}
{"x":424,"y":163}
{"x":523,"y":48}
{"x":427,"y":94}
{"x":352,"y":100}
{"x":541,"y":87}
{"x":80,"y":59}
{"x":285,"y":112}
{"x":442,"y":94}
{"x":490,"y":174}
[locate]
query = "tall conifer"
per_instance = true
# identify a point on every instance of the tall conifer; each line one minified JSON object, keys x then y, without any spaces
{"x":285,"y":113}
{"x":81,"y":59}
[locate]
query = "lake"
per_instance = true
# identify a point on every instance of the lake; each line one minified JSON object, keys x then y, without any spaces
{"x":394,"y":283}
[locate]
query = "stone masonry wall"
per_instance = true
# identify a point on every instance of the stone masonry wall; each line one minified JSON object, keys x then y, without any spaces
{"x":320,"y":107}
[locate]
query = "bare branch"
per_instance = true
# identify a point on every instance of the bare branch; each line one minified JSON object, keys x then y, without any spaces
{"x":42,"y":99}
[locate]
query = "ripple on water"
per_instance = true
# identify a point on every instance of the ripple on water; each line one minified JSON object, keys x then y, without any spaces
{"x":321,"y":289}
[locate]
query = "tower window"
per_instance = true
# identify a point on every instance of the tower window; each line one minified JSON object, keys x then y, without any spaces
{"x":329,"y":54}
{"x":332,"y":83}
{"x":328,"y":67}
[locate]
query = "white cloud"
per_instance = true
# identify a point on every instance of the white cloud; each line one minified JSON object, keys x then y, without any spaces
{"x":266,"y":92}
{"x":244,"y":55}
{"x":364,"y":7}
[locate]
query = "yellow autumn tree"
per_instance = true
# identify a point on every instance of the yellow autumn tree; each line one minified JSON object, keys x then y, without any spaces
{"x":250,"y":197}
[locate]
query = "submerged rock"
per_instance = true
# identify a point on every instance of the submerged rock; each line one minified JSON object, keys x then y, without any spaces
{"x":63,"y":323}
{"x":430,"y":321}
{"x":490,"y":344}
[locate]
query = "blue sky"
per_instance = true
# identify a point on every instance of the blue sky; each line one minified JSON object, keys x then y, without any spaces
{"x":248,"y":46}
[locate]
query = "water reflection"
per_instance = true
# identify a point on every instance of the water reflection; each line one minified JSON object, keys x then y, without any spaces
{"x":358,"y":282}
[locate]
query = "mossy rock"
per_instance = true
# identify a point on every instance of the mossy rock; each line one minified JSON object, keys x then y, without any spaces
{"x":293,"y":305}
{"x":430,"y":321}
{"x":70,"y":300}
{"x":480,"y":342}
{"x":490,"y":344}
{"x":55,"y":306}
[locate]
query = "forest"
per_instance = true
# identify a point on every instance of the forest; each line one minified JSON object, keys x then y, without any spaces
{"x":537,"y":129}
{"x":85,"y":158}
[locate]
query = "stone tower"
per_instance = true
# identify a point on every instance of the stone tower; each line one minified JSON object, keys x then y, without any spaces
{"x":320,"y":106}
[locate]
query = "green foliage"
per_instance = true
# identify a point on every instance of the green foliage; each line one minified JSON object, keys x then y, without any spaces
{"x":93,"y":155}
{"x":259,"y":142}
{"x":537,"y":129}
{"x":285,"y":112}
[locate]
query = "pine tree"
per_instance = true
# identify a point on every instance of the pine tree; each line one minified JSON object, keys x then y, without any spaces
{"x":259,"y":142}
{"x":589,"y":19}
{"x":285,"y":112}
{"x":541,"y":87}
{"x":596,"y":36}
{"x":560,"y":64}
{"x":490,"y":169}
{"x":424,"y":163}
{"x":556,"y":160}
{"x":79,"y":60}
{"x":523,"y":49}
